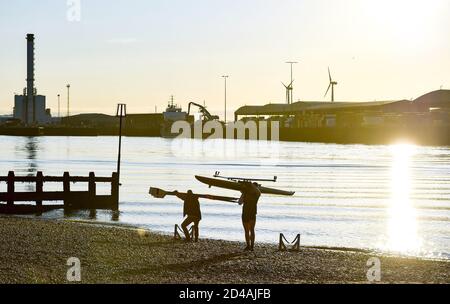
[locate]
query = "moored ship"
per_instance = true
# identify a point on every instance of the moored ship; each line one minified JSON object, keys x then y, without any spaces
{"x":172,"y":114}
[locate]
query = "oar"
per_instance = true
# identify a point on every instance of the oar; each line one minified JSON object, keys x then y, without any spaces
{"x":160,"y":193}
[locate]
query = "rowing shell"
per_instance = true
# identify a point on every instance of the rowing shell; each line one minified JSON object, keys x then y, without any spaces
{"x":239,"y":186}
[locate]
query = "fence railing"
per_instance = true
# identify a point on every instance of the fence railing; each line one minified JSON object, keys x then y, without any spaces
{"x":72,"y":199}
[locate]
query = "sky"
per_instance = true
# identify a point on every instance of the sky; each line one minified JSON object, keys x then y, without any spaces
{"x":140,"y":52}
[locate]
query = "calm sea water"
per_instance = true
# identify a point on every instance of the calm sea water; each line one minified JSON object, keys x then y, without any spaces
{"x":389,"y":198}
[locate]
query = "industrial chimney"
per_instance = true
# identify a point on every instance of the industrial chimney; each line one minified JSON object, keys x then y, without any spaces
{"x":30,"y":80}
{"x":30,"y":107}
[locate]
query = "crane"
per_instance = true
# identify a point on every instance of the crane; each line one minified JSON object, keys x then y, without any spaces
{"x":206,"y":115}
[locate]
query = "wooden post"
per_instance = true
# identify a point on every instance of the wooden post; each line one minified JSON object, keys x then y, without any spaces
{"x":66,"y":187}
{"x":11,"y":190}
{"x":115,"y":191}
{"x":39,"y":187}
{"x":92,"y":189}
{"x":121,"y":113}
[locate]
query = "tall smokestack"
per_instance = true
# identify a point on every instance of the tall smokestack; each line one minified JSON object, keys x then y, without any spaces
{"x":30,"y":78}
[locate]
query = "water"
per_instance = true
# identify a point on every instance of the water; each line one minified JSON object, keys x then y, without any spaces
{"x":389,"y":198}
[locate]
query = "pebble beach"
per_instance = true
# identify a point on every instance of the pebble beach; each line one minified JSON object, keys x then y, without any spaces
{"x":36,"y":251}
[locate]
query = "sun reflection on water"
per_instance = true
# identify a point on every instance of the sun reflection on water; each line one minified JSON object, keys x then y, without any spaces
{"x":402,"y":224}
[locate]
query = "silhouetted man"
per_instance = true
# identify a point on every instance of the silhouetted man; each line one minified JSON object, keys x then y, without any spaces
{"x":249,"y":200}
{"x":191,"y":210}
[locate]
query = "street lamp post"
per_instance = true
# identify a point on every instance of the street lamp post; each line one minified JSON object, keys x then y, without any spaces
{"x":292,"y":85}
{"x":225,"y":77}
{"x":68,"y":100}
{"x":59,"y":106}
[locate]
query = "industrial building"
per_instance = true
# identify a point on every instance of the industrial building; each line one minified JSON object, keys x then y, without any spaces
{"x":30,"y":108}
{"x":37,"y":112}
{"x":432,"y":107}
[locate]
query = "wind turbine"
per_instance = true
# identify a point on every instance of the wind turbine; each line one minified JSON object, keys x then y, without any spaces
{"x":332,"y":84}
{"x":289,"y":89}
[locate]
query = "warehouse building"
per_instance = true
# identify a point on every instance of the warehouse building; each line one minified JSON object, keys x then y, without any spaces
{"x":432,"y":108}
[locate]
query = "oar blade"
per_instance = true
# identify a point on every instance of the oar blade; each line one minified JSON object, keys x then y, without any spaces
{"x":157,"y":193}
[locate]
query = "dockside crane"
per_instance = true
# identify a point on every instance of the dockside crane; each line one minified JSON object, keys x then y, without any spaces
{"x":206,"y":115}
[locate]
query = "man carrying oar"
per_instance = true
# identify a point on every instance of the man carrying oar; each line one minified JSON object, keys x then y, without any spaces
{"x":191,"y":212}
{"x":191,"y":208}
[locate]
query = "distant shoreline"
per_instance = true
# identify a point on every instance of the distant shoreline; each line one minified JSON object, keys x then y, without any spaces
{"x":36,"y":251}
{"x":431,"y":136}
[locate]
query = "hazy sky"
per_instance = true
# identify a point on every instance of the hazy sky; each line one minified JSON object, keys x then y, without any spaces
{"x":142,"y":51}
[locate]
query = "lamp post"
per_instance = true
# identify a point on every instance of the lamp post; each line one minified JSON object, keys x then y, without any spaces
{"x":292,"y":85}
{"x":68,"y":100}
{"x":225,"y":77}
{"x":59,"y":106}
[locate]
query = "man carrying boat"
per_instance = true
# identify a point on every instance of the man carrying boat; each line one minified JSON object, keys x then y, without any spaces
{"x":249,"y":200}
{"x":251,"y":192}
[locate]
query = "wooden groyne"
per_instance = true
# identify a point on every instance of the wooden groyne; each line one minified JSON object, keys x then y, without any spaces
{"x":73,"y":200}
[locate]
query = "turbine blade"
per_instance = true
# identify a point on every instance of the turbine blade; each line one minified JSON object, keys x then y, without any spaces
{"x":327,"y":90}
{"x":329,"y":74}
{"x":290,"y":85}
